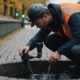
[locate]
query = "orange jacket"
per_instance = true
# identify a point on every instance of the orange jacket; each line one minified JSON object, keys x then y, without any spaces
{"x":67,"y":10}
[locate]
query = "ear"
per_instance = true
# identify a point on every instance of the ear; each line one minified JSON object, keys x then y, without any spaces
{"x":44,"y":16}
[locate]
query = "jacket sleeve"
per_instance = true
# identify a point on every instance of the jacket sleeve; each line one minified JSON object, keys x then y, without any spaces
{"x":74,"y":23}
{"x":39,"y":37}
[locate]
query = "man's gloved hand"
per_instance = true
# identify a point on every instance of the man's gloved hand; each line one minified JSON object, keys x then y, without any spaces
{"x":54,"y":57}
{"x":26,"y":49}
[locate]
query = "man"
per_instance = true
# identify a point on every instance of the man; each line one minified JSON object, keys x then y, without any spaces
{"x":64,"y":21}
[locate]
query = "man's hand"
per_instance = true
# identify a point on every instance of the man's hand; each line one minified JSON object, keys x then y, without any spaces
{"x":54,"y":57}
{"x":26,"y":49}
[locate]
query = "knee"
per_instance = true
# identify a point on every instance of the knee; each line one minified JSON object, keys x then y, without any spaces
{"x":76,"y":51}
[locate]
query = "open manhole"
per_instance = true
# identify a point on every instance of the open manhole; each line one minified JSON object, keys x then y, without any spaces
{"x":58,"y":71}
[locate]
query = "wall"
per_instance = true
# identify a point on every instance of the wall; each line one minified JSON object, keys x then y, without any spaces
{"x":8,"y":26}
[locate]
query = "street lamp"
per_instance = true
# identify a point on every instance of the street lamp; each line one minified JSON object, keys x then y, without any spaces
{"x":23,"y":15}
{"x":16,"y":14}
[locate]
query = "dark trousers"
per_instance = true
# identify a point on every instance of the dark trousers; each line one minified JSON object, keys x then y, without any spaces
{"x":54,"y":42}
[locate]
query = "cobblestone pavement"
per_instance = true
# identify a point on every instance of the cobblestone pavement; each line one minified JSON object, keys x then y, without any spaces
{"x":9,"y":50}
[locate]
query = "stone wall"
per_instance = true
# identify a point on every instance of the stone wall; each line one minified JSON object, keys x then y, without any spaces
{"x":8,"y":26}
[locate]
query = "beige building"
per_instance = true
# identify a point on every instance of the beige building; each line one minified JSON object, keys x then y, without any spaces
{"x":10,"y":7}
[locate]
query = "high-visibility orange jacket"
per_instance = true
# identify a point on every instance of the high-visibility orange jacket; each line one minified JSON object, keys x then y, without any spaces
{"x":63,"y":16}
{"x":67,"y":10}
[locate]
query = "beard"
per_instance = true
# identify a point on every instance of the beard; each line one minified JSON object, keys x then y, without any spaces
{"x":46,"y":25}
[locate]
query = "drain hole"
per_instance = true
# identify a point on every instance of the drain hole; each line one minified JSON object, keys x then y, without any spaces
{"x":59,"y":70}
{"x":51,"y":76}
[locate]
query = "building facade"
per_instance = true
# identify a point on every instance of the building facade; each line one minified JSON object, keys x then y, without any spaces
{"x":11,"y":7}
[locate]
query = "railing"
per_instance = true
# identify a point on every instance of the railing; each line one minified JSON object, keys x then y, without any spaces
{"x":8,"y":26}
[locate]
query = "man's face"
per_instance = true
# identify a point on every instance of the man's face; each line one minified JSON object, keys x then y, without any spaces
{"x":42,"y":22}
